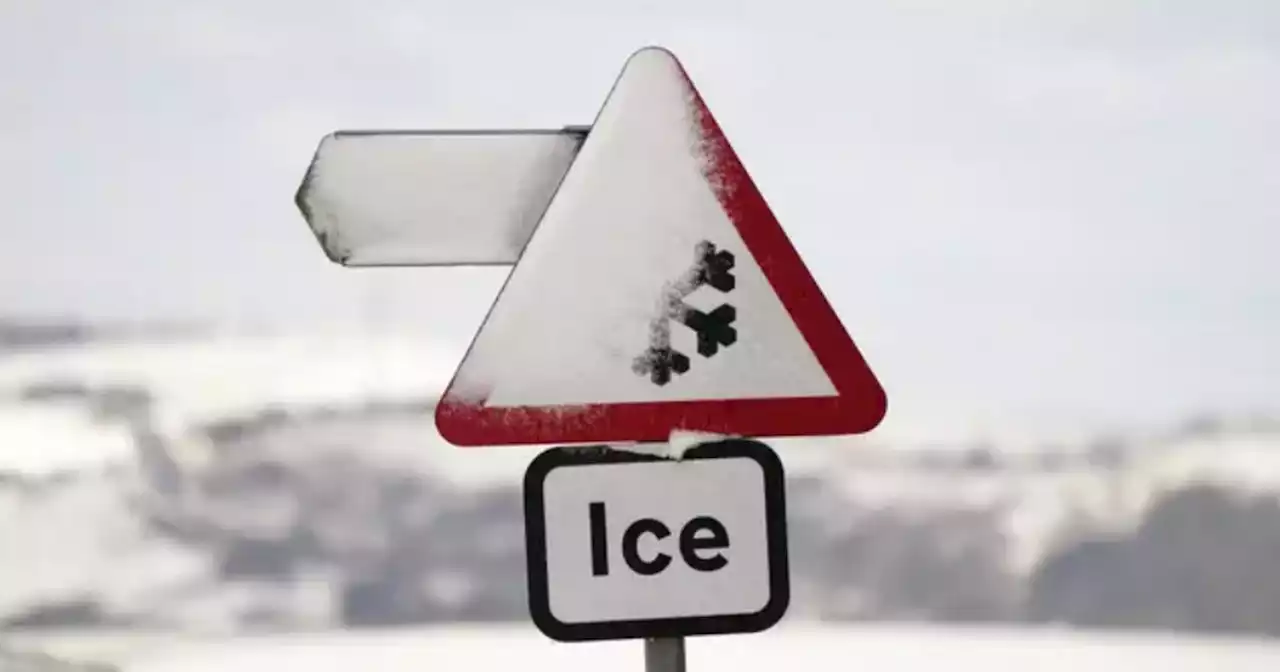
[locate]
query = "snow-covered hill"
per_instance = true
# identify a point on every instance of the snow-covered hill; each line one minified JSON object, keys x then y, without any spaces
{"x":192,"y":383}
{"x":222,"y":482}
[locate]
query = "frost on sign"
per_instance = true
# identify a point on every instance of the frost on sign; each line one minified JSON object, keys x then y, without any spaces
{"x":711,"y":268}
{"x":657,"y":293}
{"x":429,"y":198}
{"x":653,"y":289}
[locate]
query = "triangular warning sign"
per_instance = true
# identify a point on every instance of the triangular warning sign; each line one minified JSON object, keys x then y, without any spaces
{"x":658,"y":293}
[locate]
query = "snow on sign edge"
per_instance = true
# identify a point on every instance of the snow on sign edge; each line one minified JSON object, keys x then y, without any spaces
{"x":464,"y":419}
{"x":576,"y":324}
{"x":431,"y":198}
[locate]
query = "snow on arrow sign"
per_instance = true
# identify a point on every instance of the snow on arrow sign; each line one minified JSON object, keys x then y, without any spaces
{"x":657,"y":292}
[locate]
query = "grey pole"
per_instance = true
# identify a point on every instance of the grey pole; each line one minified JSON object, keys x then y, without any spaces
{"x":664,"y":654}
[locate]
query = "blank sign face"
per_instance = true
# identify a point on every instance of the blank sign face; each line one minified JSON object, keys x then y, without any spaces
{"x":439,"y":198}
{"x":622,"y":545}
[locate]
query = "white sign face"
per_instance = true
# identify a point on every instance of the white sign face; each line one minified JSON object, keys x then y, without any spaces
{"x":627,"y":222}
{"x":432,"y":198}
{"x":623,"y":545}
{"x":657,"y":292}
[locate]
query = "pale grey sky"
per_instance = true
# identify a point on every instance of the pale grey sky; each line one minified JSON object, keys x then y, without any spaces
{"x":1065,"y":210}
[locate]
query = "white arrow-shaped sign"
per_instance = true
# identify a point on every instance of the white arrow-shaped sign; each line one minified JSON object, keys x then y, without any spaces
{"x":433,"y":198}
{"x":653,"y":290}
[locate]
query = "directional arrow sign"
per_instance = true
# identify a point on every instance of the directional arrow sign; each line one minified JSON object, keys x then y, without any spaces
{"x":658,"y":293}
{"x":432,"y":198}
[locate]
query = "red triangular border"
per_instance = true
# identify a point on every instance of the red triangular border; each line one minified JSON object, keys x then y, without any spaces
{"x":858,"y":407}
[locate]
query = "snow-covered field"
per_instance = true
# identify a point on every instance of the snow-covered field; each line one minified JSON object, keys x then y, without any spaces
{"x":131,"y":471}
{"x":807,"y":648}
{"x":196,"y":381}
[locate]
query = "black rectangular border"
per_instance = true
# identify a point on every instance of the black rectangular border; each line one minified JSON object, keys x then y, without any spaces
{"x":721,"y":624}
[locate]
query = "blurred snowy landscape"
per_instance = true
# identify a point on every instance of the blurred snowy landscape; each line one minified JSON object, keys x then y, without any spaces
{"x":498,"y":648}
{"x":231,"y":483}
{"x":1050,"y":226}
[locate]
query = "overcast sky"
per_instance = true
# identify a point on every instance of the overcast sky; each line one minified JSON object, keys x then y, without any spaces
{"x":1065,"y":210}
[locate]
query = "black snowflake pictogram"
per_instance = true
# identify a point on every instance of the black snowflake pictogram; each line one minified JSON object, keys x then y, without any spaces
{"x":711,"y":268}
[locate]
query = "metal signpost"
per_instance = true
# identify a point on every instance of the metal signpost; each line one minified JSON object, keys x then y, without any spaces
{"x":653,"y":296}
